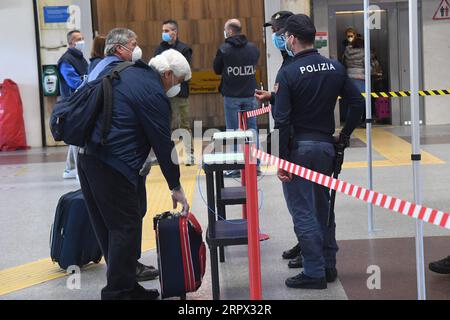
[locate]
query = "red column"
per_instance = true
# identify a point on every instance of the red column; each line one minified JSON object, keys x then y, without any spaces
{"x":242,"y":118}
{"x":254,"y":254}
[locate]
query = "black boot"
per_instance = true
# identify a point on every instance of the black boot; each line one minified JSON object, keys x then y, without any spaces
{"x":331,"y":274}
{"x":302,"y":281}
{"x":296,"y":263}
{"x":140,"y":293}
{"x":144,"y":273}
{"x":441,"y":267}
{"x":292,"y":253}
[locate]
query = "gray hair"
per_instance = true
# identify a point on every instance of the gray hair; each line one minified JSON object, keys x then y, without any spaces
{"x":118,"y":36}
{"x":172,"y":60}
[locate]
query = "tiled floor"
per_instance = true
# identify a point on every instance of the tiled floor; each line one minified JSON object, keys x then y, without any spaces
{"x":31,"y":184}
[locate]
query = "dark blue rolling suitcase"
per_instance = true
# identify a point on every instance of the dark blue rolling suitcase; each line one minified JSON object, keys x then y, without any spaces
{"x":73,"y":242}
{"x":181,"y":254}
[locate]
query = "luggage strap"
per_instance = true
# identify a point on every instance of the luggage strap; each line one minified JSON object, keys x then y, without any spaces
{"x":108,"y":97}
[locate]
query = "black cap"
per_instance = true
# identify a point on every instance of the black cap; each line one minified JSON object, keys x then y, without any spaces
{"x":302,"y":27}
{"x":279,"y":19}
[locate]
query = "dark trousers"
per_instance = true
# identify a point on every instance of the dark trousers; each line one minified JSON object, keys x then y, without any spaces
{"x":309,"y":204}
{"x":116,"y":211}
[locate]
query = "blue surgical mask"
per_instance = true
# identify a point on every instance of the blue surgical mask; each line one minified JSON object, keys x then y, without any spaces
{"x":279,"y":41}
{"x":166,"y":37}
{"x":288,"y":49}
{"x":80,"y":45}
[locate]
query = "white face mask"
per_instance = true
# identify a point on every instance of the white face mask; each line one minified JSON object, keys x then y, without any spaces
{"x":137,"y":54}
{"x":80,"y":45}
{"x":174,"y":90}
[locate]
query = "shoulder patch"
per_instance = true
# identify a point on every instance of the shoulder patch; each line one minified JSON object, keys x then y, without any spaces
{"x":276,"y":87}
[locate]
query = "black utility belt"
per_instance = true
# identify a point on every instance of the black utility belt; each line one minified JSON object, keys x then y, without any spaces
{"x":86,"y":152}
{"x":318,"y":137}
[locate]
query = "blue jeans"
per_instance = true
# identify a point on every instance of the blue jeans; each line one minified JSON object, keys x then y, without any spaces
{"x":232,"y":108}
{"x":345,"y":111}
{"x":308,"y":203}
{"x":360,"y":84}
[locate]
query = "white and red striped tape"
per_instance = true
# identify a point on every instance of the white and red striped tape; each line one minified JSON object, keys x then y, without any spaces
{"x":258,"y":112}
{"x":436,"y":217}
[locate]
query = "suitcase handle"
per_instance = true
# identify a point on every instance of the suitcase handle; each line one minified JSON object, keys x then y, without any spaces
{"x":164,"y":215}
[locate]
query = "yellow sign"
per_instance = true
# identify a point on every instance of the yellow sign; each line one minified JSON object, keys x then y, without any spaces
{"x":204,"y":82}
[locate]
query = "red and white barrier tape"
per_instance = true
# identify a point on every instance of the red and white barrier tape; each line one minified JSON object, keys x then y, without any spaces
{"x":436,"y":217}
{"x":258,"y":112}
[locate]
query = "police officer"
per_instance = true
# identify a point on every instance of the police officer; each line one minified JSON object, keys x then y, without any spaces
{"x":278,"y":24}
{"x":306,"y":95}
{"x":236,"y":62}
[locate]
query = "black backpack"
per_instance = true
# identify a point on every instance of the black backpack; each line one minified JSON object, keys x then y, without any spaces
{"x":74,"y":118}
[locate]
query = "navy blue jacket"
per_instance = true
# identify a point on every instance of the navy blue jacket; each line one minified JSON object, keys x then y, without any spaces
{"x":186,"y":52}
{"x":72,"y":67}
{"x":140,"y":121}
{"x":93,"y":63}
{"x":306,"y":95}
{"x":286,"y":60}
{"x":236,"y":61}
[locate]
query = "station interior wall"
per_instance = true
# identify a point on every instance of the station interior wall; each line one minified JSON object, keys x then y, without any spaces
{"x":18,"y":58}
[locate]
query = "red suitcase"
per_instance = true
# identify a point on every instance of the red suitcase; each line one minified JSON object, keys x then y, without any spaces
{"x":383,"y":108}
{"x":181,"y":254}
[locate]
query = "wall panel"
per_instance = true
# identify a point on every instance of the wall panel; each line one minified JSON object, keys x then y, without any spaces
{"x":201,"y":26}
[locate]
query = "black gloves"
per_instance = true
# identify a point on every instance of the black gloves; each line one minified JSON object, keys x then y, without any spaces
{"x":343,"y":141}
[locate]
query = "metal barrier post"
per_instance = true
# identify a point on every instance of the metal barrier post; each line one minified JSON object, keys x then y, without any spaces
{"x":416,"y":149}
{"x":254,"y":254}
{"x":368,"y":107}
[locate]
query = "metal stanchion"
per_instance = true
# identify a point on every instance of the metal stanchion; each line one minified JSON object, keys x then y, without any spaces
{"x":368,"y":108}
{"x":416,"y":149}
{"x":254,"y":254}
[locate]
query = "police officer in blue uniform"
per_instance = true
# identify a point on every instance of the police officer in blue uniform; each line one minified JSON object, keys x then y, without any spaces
{"x":306,"y":94}
{"x":278,"y":23}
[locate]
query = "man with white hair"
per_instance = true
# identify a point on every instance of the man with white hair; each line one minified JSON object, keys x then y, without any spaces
{"x":109,"y":174}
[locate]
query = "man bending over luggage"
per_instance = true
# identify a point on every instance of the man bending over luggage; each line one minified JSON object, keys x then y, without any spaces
{"x":109,"y":174}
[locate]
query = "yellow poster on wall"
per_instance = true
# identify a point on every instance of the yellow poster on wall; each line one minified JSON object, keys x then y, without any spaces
{"x":204,"y":82}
